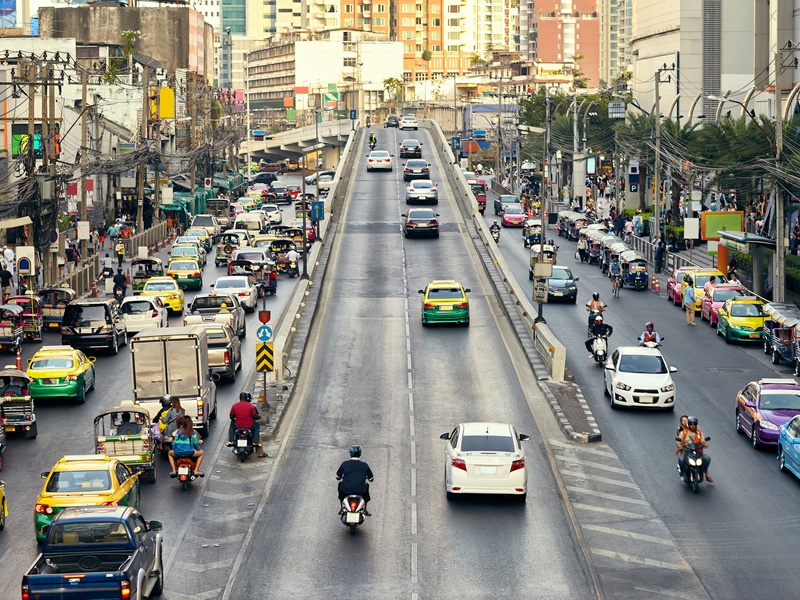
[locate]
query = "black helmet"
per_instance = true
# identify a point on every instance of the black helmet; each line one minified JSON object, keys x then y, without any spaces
{"x":648,"y":324}
{"x":246,"y":397}
{"x":119,"y":271}
{"x":355,"y":451}
{"x":167,"y":399}
{"x":596,"y":295}
{"x":691,"y":421}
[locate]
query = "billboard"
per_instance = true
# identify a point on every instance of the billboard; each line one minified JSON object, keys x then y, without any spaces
{"x":19,"y":139}
{"x":8,"y":14}
{"x":712,"y":222}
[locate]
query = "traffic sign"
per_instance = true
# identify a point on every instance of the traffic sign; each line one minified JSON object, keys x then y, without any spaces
{"x":540,"y":289}
{"x":264,"y":316}
{"x":353,"y":114}
{"x":264,"y":333}
{"x":207,"y":183}
{"x":265,"y":358}
{"x":317,"y":211}
{"x":456,"y":141}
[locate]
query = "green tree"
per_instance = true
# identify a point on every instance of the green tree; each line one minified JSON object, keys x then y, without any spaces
{"x":579,"y":79}
{"x":674,"y":140}
{"x":394,"y":88}
{"x":635,"y":140}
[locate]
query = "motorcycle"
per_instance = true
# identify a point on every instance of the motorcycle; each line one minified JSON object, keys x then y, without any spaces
{"x":372,"y":145}
{"x":185,"y":472}
{"x":600,"y":348}
{"x":243,"y":444}
{"x":292,"y":269}
{"x":496,"y":235}
{"x":352,"y":512}
{"x":651,"y":344}
{"x":593,"y":314}
{"x":693,"y":460}
{"x":108,"y":273}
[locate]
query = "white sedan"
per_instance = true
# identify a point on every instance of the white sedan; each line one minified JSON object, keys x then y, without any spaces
{"x":143,"y":312}
{"x":408,"y":122}
{"x":485,"y":458}
{"x":379,"y":159}
{"x":638,"y":376}
{"x":273,"y":213}
{"x":240,"y":286}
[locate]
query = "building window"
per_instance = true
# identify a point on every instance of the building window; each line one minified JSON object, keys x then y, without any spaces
{"x":454,"y":9}
{"x":407,"y":22}
{"x":436,"y":35}
{"x":379,"y":21}
{"x":436,"y":22}
{"x":408,"y":35}
{"x":348,"y":8}
{"x":407,"y":8}
{"x":452,"y":48}
{"x":436,"y":48}
{"x":381,"y":8}
{"x":349,"y":61}
{"x":453,"y":35}
{"x":408,"y":48}
{"x":434,"y":9}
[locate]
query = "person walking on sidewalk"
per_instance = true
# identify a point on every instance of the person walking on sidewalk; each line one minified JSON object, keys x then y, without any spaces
{"x":688,"y":304}
{"x":6,"y":281}
{"x":120,"y":250}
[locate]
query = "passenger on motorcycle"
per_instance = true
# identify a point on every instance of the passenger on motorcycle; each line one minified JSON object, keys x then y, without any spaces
{"x":649,"y":335}
{"x":353,"y":476}
{"x":244,"y":415}
{"x":599,"y":328}
{"x":185,"y":445}
{"x":693,"y":434}
{"x":120,"y":282}
{"x":595,"y":304}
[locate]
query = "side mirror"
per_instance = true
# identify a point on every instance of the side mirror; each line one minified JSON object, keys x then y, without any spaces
{"x":467,"y":290}
{"x":403,"y":215}
{"x":420,"y":291}
{"x":446,"y":436}
{"x":610,"y":367}
{"x":2,"y":484}
{"x":794,"y":441}
{"x":677,"y":439}
{"x":523,"y":437}
{"x":154,"y":526}
{"x":577,"y":279}
{"x":212,"y":285}
{"x":45,"y":474}
{"x":708,"y":438}
{"x":673,"y":369}
{"x":92,"y":359}
{"x":750,"y":404}
{"x":437,"y":214}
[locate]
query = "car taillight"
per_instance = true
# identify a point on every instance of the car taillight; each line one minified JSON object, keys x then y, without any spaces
{"x":43,"y":509}
{"x":462,"y":305}
{"x":517,"y":465}
{"x":434,"y":222}
{"x":154,"y":313}
{"x":200,"y":408}
{"x":227,"y":357}
{"x":459,"y":463}
{"x":410,"y":189}
{"x":407,"y":170}
{"x":411,"y":224}
{"x":112,"y":503}
{"x":429,"y":306}
{"x":426,"y":170}
{"x":25,"y":592}
{"x":101,"y":447}
{"x":196,"y":274}
{"x":370,"y":160}
{"x":244,"y":294}
{"x":124,"y":589}
{"x":353,"y":505}
{"x":69,"y":378}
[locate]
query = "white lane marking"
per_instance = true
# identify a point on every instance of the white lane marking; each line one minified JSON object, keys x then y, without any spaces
{"x":219,"y":540}
{"x":408,"y":329}
{"x":202,"y":568}
{"x":410,"y":382}
{"x":227,"y":495}
{"x":413,"y":518}
{"x":668,"y":593}
{"x":593,"y":465}
{"x":614,"y":497}
{"x":579,"y":475}
{"x":629,"y":534}
{"x":216,"y":516}
{"x":411,"y":402}
{"x":414,"y":566}
{"x":639,"y":560}
{"x":408,"y":360}
{"x":413,"y":452}
{"x":411,"y":425}
{"x":582,"y":449}
{"x":413,"y":482}
{"x":611,"y":511}
{"x":408,"y":344}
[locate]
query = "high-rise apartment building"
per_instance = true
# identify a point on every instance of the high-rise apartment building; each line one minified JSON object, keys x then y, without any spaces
{"x":625,"y":25}
{"x":609,"y":40}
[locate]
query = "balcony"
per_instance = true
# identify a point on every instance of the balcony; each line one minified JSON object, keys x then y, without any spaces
{"x":367,"y":13}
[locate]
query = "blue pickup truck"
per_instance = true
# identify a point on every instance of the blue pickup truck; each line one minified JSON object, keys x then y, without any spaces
{"x":98,"y":553}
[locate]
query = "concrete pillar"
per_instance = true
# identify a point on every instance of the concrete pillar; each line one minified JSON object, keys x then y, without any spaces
{"x":722,"y":257}
{"x":757,"y":252}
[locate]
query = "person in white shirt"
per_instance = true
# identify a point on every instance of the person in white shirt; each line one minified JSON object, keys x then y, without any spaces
{"x":8,"y":255}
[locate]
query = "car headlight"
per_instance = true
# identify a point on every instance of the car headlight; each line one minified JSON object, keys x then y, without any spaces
{"x":668,"y":388}
{"x":622,"y":386}
{"x":572,"y":288}
{"x":695,"y":462}
{"x":768,"y":425}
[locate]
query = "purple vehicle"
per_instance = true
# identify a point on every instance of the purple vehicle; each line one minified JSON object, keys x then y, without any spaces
{"x":763,"y":406}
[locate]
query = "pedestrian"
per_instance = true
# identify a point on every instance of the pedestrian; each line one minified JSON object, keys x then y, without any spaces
{"x":732,"y":267}
{"x":712,"y":281}
{"x":120,"y":250}
{"x":688,"y":304}
{"x":93,"y":238}
{"x":659,"y":259}
{"x":101,"y":237}
{"x":6,"y":281}
{"x":112,"y":235}
{"x":69,"y":259}
{"x":638,"y":224}
{"x":628,"y":226}
{"x":8,"y":256}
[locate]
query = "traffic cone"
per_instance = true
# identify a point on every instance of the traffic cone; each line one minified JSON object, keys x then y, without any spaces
{"x":127,"y":276}
{"x":656,"y":285}
{"x":19,"y":358}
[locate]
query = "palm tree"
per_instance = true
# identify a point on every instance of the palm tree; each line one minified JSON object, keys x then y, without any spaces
{"x":393,"y":87}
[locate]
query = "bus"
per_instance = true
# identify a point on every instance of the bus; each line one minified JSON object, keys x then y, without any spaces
{"x":478,"y":187}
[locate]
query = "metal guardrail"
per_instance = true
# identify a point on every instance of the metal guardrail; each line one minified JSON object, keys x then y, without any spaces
{"x":149,"y":238}
{"x":81,"y":279}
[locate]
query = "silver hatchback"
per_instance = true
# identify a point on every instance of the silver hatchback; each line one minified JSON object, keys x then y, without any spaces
{"x":422,"y":191}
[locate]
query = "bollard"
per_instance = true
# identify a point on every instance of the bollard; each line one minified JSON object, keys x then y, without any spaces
{"x":127,"y":276}
{"x":94,"y":288}
{"x":19,"y":358}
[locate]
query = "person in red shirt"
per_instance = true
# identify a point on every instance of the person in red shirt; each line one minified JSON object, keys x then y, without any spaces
{"x":244,"y":415}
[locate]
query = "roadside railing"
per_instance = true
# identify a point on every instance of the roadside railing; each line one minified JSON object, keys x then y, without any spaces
{"x":150,"y":238}
{"x":81,"y":279}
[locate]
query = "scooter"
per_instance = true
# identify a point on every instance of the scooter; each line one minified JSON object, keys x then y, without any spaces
{"x":651,"y":344}
{"x":600,"y":349}
{"x":292,"y":270}
{"x":372,"y":145}
{"x":243,"y":444}
{"x":693,"y":460}
{"x":352,"y":512}
{"x":593,"y":314}
{"x":185,"y":472}
{"x":108,"y":273}
{"x":496,"y":236}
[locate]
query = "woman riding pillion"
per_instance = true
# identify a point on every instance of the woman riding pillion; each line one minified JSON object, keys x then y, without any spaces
{"x":185,"y":445}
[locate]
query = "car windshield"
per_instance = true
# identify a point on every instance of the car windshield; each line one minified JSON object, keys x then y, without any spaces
{"x":203,"y":221}
{"x":421,"y":215}
{"x":183,"y":265}
{"x":422,"y":185}
{"x":505,"y":198}
{"x":410,"y":143}
{"x":137,"y":307}
{"x":723,"y":295}
{"x":72,"y":534}
{"x":642,"y":363}
{"x":64,"y":482}
{"x":487,"y":443}
{"x":379,"y":154}
{"x":160,"y":286}
{"x":561,"y":274}
{"x":197,"y":232}
{"x":52,"y":363}
{"x":416,"y":164}
{"x":780,"y":399}
{"x":445,"y":294}
{"x":212,"y":302}
{"x":77,"y":315}
{"x":231,"y":283}
{"x":514,"y":210}
{"x":184,"y":251}
{"x":746,"y":310}
{"x":702,"y":280}
{"x":217,"y":334}
{"x":270,"y":208}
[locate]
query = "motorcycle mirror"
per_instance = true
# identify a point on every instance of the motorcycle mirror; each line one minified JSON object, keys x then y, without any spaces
{"x":708,"y":438}
{"x":577,"y":279}
{"x":677,"y":439}
{"x":444,"y":436}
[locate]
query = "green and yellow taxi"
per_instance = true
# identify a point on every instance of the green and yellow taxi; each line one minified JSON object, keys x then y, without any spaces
{"x":168,"y":290}
{"x":741,"y":319}
{"x":445,"y":301}
{"x":192,"y":249}
{"x":3,"y":506}
{"x":61,"y":372}
{"x":201,"y":233}
{"x":252,"y":201}
{"x":84,"y":480}
{"x":186,"y":272}
{"x":698,"y":278}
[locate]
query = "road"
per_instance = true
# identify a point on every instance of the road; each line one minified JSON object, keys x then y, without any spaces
{"x":735,"y":534}
{"x":66,"y":428}
{"x":376,"y":378}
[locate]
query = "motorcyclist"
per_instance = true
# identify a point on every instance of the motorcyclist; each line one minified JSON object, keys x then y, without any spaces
{"x":185,"y":444}
{"x":494,"y":227}
{"x":595,"y":304}
{"x":244,"y":415}
{"x":649,"y":334}
{"x":614,"y":270}
{"x":369,"y":121}
{"x":693,"y":434}
{"x":598,"y":329}
{"x":372,"y":139}
{"x":292,"y":255}
{"x":353,"y":476}
{"x":120,"y":282}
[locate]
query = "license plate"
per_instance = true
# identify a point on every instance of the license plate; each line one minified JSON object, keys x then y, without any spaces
{"x":558,"y":293}
{"x":352,"y":518}
{"x":10,"y":428}
{"x":755,"y":335}
{"x":51,"y":381}
{"x":488,"y":470}
{"x":421,"y":225}
{"x":417,"y":170}
{"x":183,"y":470}
{"x":241,"y":443}
{"x":183,"y":277}
{"x":646,"y":400}
{"x":445,"y":307}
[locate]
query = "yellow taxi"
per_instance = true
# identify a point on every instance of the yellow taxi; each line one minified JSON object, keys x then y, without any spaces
{"x":741,"y":319}
{"x":186,"y":272}
{"x":84,"y":480}
{"x":3,"y":506}
{"x":168,"y":290}
{"x":201,"y":233}
{"x":250,"y":202}
{"x":445,"y":301}
{"x":698,"y":278}
{"x":61,"y":372}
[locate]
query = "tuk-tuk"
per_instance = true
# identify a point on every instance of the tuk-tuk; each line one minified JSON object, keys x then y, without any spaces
{"x":594,"y":245}
{"x":54,"y":302}
{"x":612,"y":246}
{"x":531,"y":232}
{"x":779,"y":330}
{"x":226,"y":244}
{"x":257,"y":274}
{"x":124,"y":433}
{"x":634,"y":269}
{"x":279,"y":249}
{"x":32,"y":318}
{"x":562,"y":225}
{"x":548,"y":252}
{"x":577,"y":221}
{"x":143,"y":269}
{"x":11,"y":327}
{"x":16,"y":403}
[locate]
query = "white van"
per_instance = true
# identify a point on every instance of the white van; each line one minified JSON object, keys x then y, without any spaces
{"x":251,"y":221}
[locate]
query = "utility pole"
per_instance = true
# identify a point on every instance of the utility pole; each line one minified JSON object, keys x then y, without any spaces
{"x":546,"y":151}
{"x":657,"y":174}
{"x":778,"y":290}
{"x":142,"y":144}
{"x":575,"y":183}
{"x":84,"y":148}
{"x":500,"y":126}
